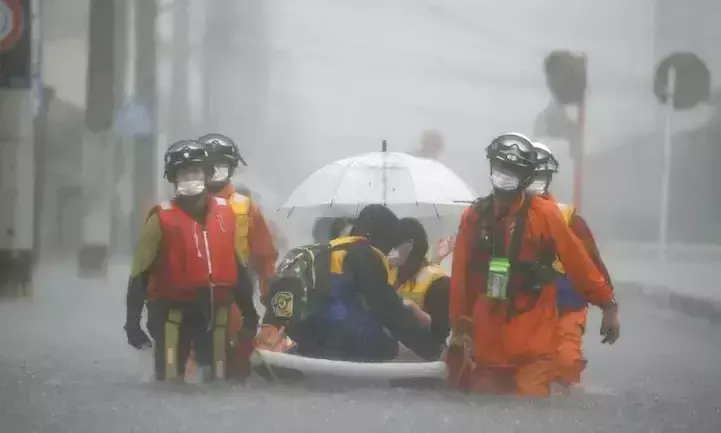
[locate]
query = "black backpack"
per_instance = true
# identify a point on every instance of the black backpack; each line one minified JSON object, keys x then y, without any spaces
{"x":300,"y":283}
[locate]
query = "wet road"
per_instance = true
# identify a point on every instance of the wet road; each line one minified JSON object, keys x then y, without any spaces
{"x":64,"y":367}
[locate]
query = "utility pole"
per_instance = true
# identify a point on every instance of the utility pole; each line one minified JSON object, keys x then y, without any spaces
{"x":105,"y":81}
{"x":146,"y":175}
{"x":180,"y":119}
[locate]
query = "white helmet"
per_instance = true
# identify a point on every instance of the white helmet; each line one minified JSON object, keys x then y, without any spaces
{"x":540,"y":146}
{"x":545,"y":161}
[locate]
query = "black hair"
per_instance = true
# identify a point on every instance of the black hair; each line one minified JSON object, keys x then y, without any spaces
{"x":411,"y":229}
{"x":379,"y":224}
{"x":326,"y":229}
{"x":337,"y":226}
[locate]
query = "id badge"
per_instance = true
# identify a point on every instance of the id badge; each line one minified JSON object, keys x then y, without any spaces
{"x":498,"y":272}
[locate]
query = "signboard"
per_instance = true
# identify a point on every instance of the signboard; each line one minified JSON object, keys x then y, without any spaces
{"x":15,"y":44}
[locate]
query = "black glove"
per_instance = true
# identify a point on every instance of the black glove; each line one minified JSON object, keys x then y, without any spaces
{"x":137,"y":337}
{"x":134,"y":307}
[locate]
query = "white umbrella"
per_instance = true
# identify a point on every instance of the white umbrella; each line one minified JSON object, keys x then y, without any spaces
{"x":406,"y":184}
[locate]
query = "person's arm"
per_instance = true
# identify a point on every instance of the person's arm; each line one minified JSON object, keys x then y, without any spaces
{"x":145,"y":253}
{"x":371,"y":278}
{"x":263,"y":254}
{"x":436,"y":304}
{"x":584,"y":275}
{"x":443,"y":249}
{"x":243,"y":290}
{"x":461,"y":298}
{"x":583,"y":232}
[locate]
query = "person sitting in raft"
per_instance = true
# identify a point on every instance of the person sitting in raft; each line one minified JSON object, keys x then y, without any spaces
{"x":422,"y":284}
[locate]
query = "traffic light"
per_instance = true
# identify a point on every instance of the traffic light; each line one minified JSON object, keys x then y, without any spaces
{"x":693,"y":80}
{"x":566,"y":76}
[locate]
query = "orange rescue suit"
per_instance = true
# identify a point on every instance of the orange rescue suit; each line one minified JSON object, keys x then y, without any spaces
{"x":515,"y":340}
{"x":570,"y":361}
{"x":194,"y":257}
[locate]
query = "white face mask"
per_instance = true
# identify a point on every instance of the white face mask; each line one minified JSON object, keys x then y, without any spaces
{"x":188,"y":188}
{"x":222,"y":173}
{"x":538,"y":187}
{"x":503,"y":181}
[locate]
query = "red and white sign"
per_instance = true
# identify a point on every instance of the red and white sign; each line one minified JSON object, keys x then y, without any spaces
{"x":11,"y":23}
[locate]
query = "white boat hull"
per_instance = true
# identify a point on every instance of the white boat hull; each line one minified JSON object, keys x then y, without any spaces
{"x":348,"y":369}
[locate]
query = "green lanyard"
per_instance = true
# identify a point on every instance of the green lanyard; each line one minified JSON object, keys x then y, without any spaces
{"x":499,"y":268}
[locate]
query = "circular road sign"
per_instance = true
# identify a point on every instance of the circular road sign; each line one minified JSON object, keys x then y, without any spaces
{"x":11,"y":23}
{"x":693,"y":80}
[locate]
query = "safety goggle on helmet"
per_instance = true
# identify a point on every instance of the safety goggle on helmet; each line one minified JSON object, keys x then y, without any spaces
{"x":545,"y":161}
{"x":184,"y":153}
{"x":223,"y":150}
{"x":514,"y":151}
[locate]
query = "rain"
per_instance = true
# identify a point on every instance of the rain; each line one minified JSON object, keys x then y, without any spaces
{"x":92,"y":93}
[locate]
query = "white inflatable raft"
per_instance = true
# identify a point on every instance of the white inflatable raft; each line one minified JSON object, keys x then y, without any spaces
{"x":347,"y":369}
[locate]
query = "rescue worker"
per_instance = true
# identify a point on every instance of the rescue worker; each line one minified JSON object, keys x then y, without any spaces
{"x":503,"y":306}
{"x":572,"y":307}
{"x":187,"y":264}
{"x":422,"y":284}
{"x":345,"y":313}
{"x":257,"y":249}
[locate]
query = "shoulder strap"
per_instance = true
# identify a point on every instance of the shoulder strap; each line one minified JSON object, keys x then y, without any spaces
{"x":519,"y":229}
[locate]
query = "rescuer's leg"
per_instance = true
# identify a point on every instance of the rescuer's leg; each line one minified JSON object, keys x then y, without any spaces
{"x":172,"y":342}
{"x":569,"y":357}
{"x":534,"y":379}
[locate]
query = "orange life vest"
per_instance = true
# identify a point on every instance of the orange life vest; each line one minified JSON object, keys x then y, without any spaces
{"x":193,"y":257}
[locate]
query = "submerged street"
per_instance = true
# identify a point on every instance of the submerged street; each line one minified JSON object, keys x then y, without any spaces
{"x":65,"y":367}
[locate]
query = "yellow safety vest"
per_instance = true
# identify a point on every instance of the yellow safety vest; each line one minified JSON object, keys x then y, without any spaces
{"x":241,"y":208}
{"x":415,"y":290}
{"x":567,"y":212}
{"x":337,"y":257}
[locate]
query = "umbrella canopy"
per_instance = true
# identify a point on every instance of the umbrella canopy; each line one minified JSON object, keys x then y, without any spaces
{"x":408,"y":185}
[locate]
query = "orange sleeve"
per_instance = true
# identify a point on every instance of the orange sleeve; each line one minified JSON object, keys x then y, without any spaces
{"x":583,"y":232}
{"x":462,"y":299}
{"x":584,"y":275}
{"x":263,"y":254}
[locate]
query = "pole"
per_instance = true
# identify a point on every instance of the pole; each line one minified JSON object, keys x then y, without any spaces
{"x":97,"y":144}
{"x":145,"y":173}
{"x":667,"y":153}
